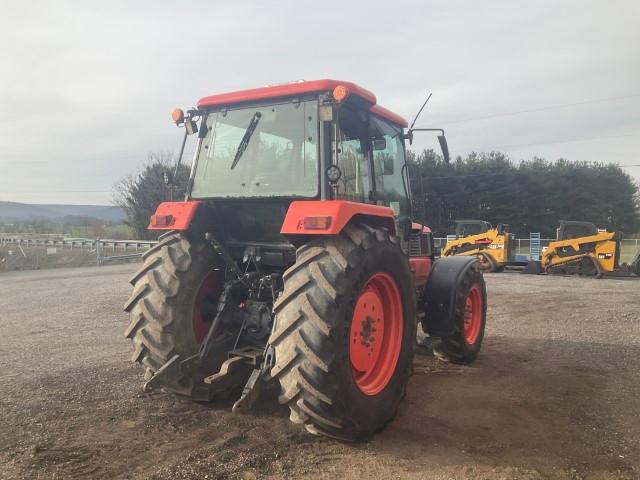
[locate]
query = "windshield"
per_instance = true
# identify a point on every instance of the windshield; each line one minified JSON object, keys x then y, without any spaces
{"x":269,"y":151}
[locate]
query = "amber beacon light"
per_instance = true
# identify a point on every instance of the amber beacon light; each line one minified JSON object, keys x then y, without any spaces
{"x":340,"y":93}
{"x":177,"y":116}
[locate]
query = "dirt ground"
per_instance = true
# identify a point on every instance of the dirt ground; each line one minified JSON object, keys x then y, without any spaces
{"x":555,"y":393}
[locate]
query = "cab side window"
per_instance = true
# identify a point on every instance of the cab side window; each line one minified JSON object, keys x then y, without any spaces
{"x":387,"y":151}
{"x":351,"y":143}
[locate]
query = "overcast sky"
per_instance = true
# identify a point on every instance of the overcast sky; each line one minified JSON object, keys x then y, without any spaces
{"x":87,"y":87}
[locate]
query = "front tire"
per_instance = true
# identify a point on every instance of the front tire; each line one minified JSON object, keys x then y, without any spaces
{"x":470,"y":317}
{"x":343,"y":366}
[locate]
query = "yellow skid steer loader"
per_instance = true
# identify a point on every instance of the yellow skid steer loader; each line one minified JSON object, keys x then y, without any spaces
{"x":581,"y":249}
{"x":492,"y":246}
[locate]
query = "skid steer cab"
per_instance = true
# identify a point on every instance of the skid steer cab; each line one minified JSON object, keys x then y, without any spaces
{"x":299,"y":256}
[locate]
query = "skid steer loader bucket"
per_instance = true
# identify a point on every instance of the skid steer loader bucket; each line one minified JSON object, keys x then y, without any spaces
{"x":631,"y":269}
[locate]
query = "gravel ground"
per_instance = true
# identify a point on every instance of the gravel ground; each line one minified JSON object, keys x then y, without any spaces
{"x":554,"y":394}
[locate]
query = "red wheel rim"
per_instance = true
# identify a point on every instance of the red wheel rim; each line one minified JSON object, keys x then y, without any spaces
{"x":207,"y":296}
{"x":375,"y":338}
{"x":472,"y":315}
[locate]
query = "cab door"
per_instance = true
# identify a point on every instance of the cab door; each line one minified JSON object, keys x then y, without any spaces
{"x":351,"y":150}
{"x":387,"y":157}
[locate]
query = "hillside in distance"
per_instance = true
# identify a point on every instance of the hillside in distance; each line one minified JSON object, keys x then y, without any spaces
{"x":20,"y":212}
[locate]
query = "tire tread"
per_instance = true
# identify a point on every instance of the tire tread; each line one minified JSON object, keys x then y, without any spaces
{"x":305,"y":329}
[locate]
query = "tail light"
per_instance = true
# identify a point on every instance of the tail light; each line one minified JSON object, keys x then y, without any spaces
{"x":162,"y":220}
{"x":317,"y":223}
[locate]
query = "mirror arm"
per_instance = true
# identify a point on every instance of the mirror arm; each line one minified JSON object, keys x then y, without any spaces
{"x":192,"y":115}
{"x":426,"y":130}
{"x":441,"y":139}
{"x":184,"y":142}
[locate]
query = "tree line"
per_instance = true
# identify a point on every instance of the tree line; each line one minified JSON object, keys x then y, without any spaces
{"x":531,"y":196}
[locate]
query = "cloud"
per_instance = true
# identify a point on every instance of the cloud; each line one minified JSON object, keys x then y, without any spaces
{"x":87,"y":87}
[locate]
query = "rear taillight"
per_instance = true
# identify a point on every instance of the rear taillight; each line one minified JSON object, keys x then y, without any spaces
{"x":162,"y":220}
{"x":317,"y":223}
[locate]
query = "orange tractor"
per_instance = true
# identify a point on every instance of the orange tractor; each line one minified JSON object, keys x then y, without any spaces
{"x":297,"y":257}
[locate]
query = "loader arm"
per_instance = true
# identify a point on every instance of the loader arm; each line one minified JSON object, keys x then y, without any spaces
{"x":472,"y":244}
{"x":492,"y":248}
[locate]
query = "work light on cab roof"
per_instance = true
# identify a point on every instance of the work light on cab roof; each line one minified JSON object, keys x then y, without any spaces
{"x":295,"y":191}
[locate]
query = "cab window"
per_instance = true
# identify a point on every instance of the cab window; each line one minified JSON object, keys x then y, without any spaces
{"x":350,"y":144}
{"x":387,"y":152}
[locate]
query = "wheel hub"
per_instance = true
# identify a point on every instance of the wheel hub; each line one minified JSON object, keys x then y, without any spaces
{"x":375,"y":337}
{"x":472,"y":315}
{"x":367,"y":331}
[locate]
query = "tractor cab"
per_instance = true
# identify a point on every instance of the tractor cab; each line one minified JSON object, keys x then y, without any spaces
{"x":261,"y":151}
{"x":280,"y":142}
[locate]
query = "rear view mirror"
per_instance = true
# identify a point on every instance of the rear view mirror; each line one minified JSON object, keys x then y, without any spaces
{"x":444,"y":147}
{"x":191,"y":127}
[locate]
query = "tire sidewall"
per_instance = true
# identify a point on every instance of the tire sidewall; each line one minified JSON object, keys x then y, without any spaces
{"x":471,"y":277}
{"x":203,"y":261}
{"x":371,"y":412}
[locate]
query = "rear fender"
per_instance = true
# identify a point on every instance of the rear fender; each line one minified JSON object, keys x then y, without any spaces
{"x":439,"y":295}
{"x":173,"y":216}
{"x":329,"y":217}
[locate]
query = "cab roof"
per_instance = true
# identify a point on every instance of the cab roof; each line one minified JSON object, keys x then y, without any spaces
{"x":300,"y":88}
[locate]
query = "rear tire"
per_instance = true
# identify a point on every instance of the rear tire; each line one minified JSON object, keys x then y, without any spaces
{"x":161,"y":306}
{"x":312,"y":334}
{"x":470,"y":316}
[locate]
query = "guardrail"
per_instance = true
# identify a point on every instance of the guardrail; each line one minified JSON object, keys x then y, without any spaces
{"x":102,"y":246}
{"x":106,"y":250}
